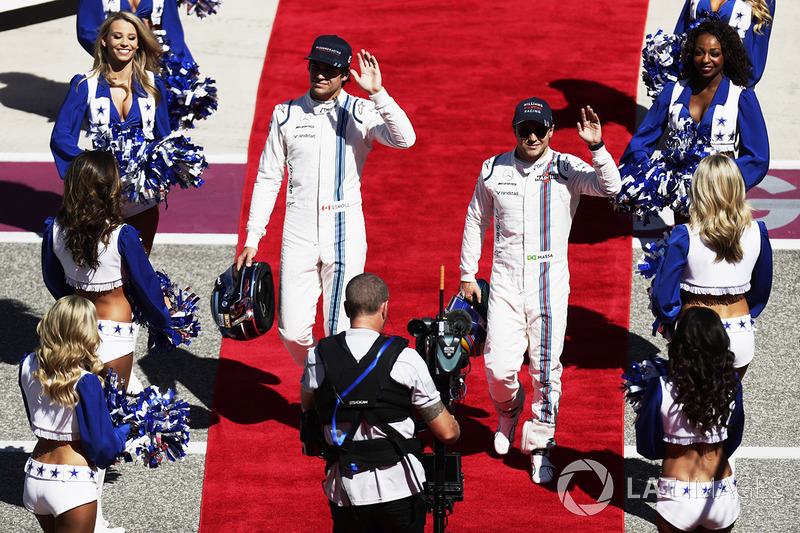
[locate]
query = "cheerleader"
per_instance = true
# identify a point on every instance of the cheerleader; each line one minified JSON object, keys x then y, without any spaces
{"x":188,"y":96}
{"x":122,"y":98}
{"x":721,"y":259}
{"x":751,"y":19}
{"x":710,"y":110}
{"x":124,"y":102}
{"x":67,"y":412}
{"x":692,"y":418}
{"x":88,"y":250}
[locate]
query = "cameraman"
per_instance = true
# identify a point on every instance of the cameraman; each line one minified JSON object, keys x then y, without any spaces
{"x":362,"y":385}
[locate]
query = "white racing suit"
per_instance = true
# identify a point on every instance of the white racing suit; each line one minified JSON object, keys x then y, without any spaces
{"x":533,"y":205}
{"x":324,"y":146}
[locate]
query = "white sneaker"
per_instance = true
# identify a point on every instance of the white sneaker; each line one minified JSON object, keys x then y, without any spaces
{"x":504,"y":436}
{"x":541,"y":468}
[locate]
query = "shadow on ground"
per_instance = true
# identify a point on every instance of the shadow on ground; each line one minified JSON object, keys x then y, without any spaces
{"x":32,"y":94}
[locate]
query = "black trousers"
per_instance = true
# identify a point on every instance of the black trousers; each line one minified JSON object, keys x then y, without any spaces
{"x":399,"y":516}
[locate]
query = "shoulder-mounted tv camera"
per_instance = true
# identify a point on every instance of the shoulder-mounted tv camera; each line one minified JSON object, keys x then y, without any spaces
{"x":446,"y":343}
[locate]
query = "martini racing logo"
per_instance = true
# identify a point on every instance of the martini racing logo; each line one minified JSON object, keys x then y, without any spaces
{"x":533,"y":107}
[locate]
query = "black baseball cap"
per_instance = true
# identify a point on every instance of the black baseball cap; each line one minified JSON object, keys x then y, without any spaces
{"x":331,"y":49}
{"x":534,"y":109}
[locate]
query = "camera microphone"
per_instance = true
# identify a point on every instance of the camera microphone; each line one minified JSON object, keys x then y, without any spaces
{"x":460,"y":322}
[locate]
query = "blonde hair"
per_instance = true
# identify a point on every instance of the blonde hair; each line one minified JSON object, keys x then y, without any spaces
{"x":761,"y":14}
{"x":68,"y":342}
{"x":146,"y":57}
{"x":717,"y":209}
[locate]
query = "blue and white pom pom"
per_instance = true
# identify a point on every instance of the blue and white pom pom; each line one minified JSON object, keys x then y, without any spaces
{"x":201,"y":8}
{"x":189,"y":97}
{"x":661,"y":61}
{"x":174,"y":160}
{"x":636,"y":380}
{"x":149,"y":169}
{"x":664,"y":180}
{"x":183,"y":310}
{"x":159,"y":423}
{"x":115,"y":399}
{"x":130,"y":148}
{"x":652,"y":256}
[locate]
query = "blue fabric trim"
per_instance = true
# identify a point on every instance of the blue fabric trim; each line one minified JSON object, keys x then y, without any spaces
{"x":19,"y":382}
{"x":761,"y":278}
{"x":288,"y":113}
{"x":52,"y":269}
{"x":75,"y":109}
{"x":101,"y":441}
{"x":649,"y":426}
{"x":494,"y":164}
{"x":666,"y":293}
{"x":143,"y":283}
{"x":545,"y":356}
{"x":340,"y":219}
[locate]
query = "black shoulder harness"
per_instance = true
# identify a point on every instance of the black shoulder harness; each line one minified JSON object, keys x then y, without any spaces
{"x":353,"y":391}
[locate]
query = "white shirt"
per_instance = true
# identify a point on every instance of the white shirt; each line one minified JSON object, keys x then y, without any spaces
{"x":380,"y":484}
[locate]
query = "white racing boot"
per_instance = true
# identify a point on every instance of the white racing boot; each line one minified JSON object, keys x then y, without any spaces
{"x":542,"y":469}
{"x":507,"y":426}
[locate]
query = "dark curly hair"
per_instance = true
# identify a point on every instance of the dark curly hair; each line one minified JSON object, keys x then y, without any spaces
{"x":89,"y":211}
{"x":701,"y":368}
{"x":736,"y":66}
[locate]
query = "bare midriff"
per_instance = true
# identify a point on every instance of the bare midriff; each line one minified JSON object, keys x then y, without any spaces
{"x":726,"y":305}
{"x":695,"y":462}
{"x":111,"y":305}
{"x":59,"y":452}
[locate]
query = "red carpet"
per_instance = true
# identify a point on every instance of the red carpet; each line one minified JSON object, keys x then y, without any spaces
{"x":458,"y":69}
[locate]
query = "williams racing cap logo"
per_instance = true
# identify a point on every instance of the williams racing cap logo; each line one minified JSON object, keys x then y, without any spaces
{"x":327,"y":49}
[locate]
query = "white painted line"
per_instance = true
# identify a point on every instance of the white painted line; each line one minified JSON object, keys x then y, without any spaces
{"x":196,"y":448}
{"x":226,"y":159}
{"x":26,"y":446}
{"x":784,"y":164}
{"x":37,"y":157}
{"x":197,"y":238}
{"x":744,"y":452}
{"x":226,"y":239}
{"x":777,"y":244}
{"x":10,"y":5}
{"x":785,"y":244}
{"x":26,"y":157}
{"x":20,"y":237}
